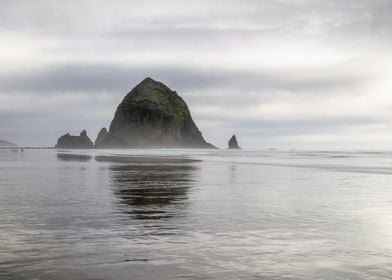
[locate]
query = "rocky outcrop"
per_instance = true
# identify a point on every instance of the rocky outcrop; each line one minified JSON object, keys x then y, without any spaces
{"x":153,"y":116}
{"x":6,"y":144}
{"x":103,"y":133}
{"x":74,"y":142}
{"x":233,"y":144}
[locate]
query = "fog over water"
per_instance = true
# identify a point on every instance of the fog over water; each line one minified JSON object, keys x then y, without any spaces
{"x":195,"y":214}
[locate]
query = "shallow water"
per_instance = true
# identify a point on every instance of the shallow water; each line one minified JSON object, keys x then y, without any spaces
{"x":183,"y":214}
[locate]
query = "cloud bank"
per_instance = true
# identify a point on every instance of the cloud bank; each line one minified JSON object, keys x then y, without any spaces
{"x":278,"y":73}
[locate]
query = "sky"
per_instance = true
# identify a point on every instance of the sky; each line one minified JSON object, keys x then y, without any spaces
{"x":306,"y":74}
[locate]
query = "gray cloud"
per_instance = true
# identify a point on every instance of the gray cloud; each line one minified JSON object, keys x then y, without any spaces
{"x":78,"y":15}
{"x":117,"y":77}
{"x":270,"y":69}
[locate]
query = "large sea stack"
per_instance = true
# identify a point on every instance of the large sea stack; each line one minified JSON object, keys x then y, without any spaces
{"x":153,"y":116}
{"x":74,"y":142}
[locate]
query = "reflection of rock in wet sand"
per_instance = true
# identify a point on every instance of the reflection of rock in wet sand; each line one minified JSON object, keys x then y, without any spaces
{"x":73,"y":157}
{"x":152,"y":190}
{"x":154,"y":160}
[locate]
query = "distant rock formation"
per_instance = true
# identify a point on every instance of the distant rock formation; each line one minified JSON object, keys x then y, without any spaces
{"x":103,"y":133}
{"x":74,"y":142}
{"x":153,"y":116}
{"x":6,"y":144}
{"x":233,"y":144}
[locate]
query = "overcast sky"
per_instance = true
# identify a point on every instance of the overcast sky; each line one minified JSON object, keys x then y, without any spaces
{"x":278,"y":73}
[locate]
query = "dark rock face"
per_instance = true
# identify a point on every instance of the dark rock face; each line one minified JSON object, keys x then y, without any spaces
{"x":101,"y":136}
{"x":6,"y":144}
{"x":153,"y":116}
{"x":233,"y":144}
{"x":70,"y":141}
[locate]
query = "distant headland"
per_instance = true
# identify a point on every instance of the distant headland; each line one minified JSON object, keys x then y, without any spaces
{"x":151,"y":115}
{"x":6,"y":144}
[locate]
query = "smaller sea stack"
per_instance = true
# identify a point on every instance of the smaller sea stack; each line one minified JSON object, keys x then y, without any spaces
{"x":101,"y":136}
{"x":68,"y":141}
{"x":233,"y":144}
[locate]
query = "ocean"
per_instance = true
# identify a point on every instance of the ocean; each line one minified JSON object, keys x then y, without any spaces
{"x":195,"y":214}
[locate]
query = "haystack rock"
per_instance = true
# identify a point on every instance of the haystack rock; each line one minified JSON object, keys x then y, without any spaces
{"x":74,"y":142}
{"x":233,"y":144}
{"x":153,"y":116}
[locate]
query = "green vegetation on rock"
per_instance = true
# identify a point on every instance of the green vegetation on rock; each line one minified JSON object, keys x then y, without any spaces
{"x":153,"y":116}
